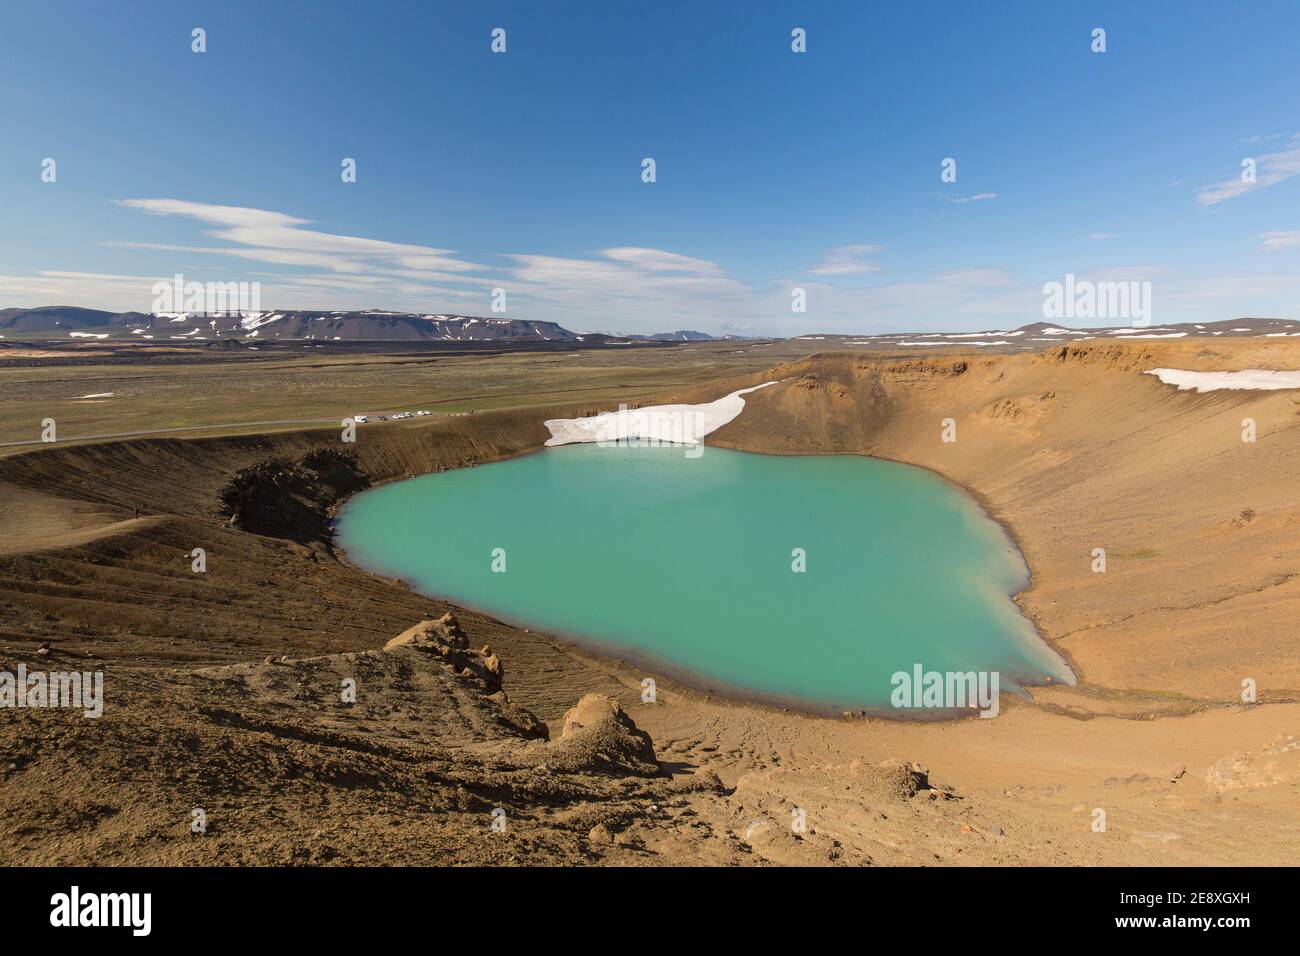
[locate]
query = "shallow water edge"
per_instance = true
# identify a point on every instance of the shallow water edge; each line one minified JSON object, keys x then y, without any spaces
{"x":874,"y":654}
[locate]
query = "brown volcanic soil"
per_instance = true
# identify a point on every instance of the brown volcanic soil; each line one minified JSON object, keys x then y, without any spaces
{"x":1073,"y":449}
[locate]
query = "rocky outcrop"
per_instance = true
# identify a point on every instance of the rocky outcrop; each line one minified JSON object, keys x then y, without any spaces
{"x":1117,"y":356}
{"x":899,"y":779}
{"x":437,"y":634}
{"x":598,"y":735}
{"x":444,"y":638}
{"x":287,"y":498}
{"x":1025,"y":411}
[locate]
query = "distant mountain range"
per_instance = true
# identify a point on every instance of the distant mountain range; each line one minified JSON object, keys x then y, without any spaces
{"x":371,"y":324}
{"x":367,"y":325}
{"x":1039,"y":335}
{"x":71,"y":322}
{"x":683,"y":335}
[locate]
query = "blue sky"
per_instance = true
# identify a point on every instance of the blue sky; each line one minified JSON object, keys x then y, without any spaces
{"x":775,"y":170}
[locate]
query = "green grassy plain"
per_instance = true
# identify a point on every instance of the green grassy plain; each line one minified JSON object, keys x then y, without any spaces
{"x":214,"y":393}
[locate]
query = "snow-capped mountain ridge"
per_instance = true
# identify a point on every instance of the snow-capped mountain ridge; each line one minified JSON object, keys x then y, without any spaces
{"x":332,"y":325}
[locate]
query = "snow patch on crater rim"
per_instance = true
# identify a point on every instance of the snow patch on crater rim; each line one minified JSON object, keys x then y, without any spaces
{"x":679,"y":424}
{"x":1250,"y":378}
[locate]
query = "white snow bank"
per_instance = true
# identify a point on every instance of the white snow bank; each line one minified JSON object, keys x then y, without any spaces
{"x":679,"y":424}
{"x":255,"y":320}
{"x":1250,"y":378}
{"x":946,"y":342}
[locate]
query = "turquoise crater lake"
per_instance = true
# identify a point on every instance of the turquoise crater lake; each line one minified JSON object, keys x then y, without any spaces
{"x":685,"y":565}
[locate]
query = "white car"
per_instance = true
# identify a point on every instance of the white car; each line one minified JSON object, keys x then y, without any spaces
{"x":424,"y":412}
{"x":360,"y":419}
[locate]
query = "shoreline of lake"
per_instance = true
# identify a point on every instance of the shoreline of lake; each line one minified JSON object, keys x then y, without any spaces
{"x":619,"y":651}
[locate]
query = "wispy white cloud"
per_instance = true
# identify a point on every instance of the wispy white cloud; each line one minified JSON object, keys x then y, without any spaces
{"x":625,"y":287}
{"x":1277,"y":241}
{"x":657,"y":260}
{"x":847,"y":260}
{"x":280,"y":238}
{"x":1270,"y":169}
{"x":1258,"y":138}
{"x":1103,"y":236}
{"x":978,"y":197}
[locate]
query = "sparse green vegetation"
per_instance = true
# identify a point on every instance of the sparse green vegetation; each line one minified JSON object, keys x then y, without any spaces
{"x":152,"y":389}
